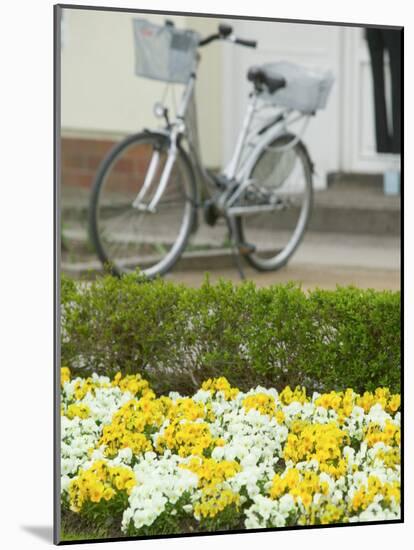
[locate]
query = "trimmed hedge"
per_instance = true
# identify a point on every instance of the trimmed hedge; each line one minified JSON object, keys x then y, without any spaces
{"x":177,"y":336}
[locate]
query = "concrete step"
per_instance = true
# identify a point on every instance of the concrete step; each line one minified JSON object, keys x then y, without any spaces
{"x":346,"y":206}
{"x":356,"y":208}
{"x":320,"y":250}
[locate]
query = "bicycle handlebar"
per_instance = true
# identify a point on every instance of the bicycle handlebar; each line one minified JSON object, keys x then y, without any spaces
{"x":225,"y":33}
{"x":248,"y":43}
{"x":209,"y":39}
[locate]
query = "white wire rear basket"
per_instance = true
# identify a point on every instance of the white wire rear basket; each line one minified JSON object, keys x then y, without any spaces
{"x":306,"y":90}
{"x":163,"y":52}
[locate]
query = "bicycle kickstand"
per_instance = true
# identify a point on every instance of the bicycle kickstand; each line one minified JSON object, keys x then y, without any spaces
{"x":231,"y":224}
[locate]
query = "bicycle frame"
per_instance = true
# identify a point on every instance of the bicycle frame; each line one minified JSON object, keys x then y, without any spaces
{"x":235,"y":175}
{"x":239,"y":168}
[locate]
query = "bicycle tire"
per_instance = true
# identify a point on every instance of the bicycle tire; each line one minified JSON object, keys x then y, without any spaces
{"x":282,"y":257}
{"x":165,"y":264}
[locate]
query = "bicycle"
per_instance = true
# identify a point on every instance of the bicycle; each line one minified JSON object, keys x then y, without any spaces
{"x":150,"y":189}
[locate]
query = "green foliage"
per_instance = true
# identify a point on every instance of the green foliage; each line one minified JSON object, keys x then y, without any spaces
{"x":227,"y":520}
{"x":76,"y":527}
{"x":177,"y":336}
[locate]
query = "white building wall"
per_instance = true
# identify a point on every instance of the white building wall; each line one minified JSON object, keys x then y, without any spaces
{"x":102,"y":97}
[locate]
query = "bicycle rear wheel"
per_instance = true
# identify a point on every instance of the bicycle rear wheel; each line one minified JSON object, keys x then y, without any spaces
{"x":126,"y":237}
{"x":281,"y":184}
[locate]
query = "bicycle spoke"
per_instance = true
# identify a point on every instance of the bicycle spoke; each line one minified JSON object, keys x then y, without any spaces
{"x":116,"y":222}
{"x":130,"y":236}
{"x":278,"y":179}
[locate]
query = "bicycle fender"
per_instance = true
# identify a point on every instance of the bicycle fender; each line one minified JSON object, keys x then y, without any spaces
{"x":267,"y":138}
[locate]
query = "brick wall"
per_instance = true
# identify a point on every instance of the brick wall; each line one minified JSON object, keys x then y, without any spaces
{"x":81,"y":159}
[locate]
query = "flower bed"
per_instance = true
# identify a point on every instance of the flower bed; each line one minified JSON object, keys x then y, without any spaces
{"x":225,"y":459}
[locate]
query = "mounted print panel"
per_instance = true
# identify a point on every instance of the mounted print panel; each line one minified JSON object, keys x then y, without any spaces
{"x":229,"y":333}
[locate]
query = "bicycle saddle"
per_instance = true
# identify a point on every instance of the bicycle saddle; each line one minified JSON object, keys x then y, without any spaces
{"x":259,"y":76}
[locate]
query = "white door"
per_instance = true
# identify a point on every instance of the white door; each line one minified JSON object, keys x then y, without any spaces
{"x":305,"y":44}
{"x":359,"y":147}
{"x":340,"y":137}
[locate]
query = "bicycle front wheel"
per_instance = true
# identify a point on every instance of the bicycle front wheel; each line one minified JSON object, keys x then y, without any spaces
{"x":277,"y":204}
{"x":125,"y":235}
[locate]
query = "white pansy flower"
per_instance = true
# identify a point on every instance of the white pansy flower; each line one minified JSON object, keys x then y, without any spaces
{"x":202,"y":396}
{"x":286,"y":503}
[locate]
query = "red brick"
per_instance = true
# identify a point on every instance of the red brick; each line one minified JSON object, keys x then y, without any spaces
{"x":73,"y":160}
{"x":93,"y":162}
{"x":81,"y":159}
{"x":124,"y":165}
{"x":77,"y":178}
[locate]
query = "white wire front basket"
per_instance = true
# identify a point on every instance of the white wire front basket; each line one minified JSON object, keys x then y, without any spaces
{"x":307,"y":90}
{"x":163,"y":52}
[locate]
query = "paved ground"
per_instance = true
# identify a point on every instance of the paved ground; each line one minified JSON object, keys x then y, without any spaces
{"x":325,"y":260}
{"x":368,"y":258}
{"x":308,"y":276}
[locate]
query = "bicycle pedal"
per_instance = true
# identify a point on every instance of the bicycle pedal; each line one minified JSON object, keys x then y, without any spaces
{"x":245,"y":248}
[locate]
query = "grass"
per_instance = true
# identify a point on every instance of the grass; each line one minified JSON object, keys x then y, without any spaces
{"x":74,"y":527}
